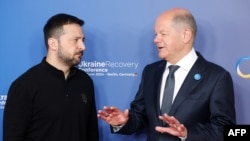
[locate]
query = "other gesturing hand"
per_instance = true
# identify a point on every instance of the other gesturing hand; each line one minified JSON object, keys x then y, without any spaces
{"x":175,"y":127}
{"x":113,"y":116}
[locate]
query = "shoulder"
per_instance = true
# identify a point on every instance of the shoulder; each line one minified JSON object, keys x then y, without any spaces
{"x":212,"y":69}
{"x":26,"y":79}
{"x":156,"y":65}
{"x":29,"y":73}
{"x":82,"y":74}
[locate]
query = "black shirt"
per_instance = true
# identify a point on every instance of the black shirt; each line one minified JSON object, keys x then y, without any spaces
{"x":44,"y":106}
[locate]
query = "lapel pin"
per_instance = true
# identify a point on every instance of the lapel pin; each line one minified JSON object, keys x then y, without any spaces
{"x":197,"y":76}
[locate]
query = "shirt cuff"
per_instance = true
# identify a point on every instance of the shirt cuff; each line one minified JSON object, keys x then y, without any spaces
{"x":117,"y":128}
{"x":183,"y":138}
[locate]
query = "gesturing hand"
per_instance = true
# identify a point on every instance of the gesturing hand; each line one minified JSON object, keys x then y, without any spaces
{"x":113,"y":116}
{"x":175,"y":127}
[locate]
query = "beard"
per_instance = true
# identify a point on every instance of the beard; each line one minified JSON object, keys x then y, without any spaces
{"x":69,"y":60}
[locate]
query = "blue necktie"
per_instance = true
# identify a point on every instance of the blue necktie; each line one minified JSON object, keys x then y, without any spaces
{"x":168,"y":90}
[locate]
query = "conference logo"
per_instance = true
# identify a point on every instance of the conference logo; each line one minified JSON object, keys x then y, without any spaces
{"x":2,"y":101}
{"x":243,"y":60}
{"x":110,"y":68}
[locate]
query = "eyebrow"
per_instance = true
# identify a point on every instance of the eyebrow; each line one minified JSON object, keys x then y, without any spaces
{"x":161,"y":31}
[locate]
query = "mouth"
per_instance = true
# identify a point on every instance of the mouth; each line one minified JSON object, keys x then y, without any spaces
{"x":79,"y":55}
{"x":160,"y":48}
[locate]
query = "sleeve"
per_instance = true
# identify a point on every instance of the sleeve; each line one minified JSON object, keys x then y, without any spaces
{"x":17,"y":112}
{"x":93,"y":133}
{"x":137,"y":114}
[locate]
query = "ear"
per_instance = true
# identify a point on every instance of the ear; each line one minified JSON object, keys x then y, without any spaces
{"x":53,"y":43}
{"x":187,"y":36}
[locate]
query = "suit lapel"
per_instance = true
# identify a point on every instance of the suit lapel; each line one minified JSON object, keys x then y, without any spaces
{"x":190,"y":83}
{"x":157,"y":79}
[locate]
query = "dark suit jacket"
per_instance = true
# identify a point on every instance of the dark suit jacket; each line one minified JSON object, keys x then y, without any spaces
{"x":204,"y":106}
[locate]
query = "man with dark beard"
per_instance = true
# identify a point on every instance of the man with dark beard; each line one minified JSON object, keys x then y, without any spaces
{"x":54,"y":100}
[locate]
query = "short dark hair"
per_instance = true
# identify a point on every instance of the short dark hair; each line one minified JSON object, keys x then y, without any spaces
{"x":53,"y":27}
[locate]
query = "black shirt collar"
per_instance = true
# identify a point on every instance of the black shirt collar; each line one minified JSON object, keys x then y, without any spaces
{"x":55,"y":70}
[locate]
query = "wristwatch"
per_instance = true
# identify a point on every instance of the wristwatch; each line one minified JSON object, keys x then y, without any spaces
{"x":183,"y":138}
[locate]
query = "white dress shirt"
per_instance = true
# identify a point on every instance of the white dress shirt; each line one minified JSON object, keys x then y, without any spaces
{"x":185,"y":65}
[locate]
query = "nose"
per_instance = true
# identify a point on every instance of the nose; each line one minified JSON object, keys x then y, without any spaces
{"x":157,"y":39}
{"x":82,"y":46}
